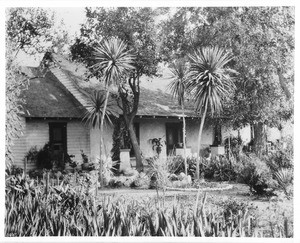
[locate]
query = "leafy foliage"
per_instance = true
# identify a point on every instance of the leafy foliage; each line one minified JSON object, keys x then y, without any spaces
{"x":65,"y":212}
{"x":45,"y":157}
{"x":179,"y":72}
{"x":232,"y":207}
{"x":176,"y":165}
{"x":284,"y":178}
{"x":157,"y":144}
{"x":135,"y":26}
{"x":209,"y":81}
{"x":262,"y":42}
{"x":233,"y":146}
{"x":94,"y":110}
{"x":112,"y":60}
{"x":220,"y":168}
{"x":28,"y":30}
{"x":282,"y":157}
{"x":256,"y":174}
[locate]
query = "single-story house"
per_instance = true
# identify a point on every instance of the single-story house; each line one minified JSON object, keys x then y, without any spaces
{"x":55,"y":105}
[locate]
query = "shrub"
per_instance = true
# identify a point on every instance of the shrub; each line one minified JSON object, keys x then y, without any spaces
{"x":220,"y":168}
{"x":284,"y":179}
{"x":44,"y":157}
{"x":158,"y":173}
{"x":14,"y":170}
{"x":282,"y":156}
{"x":233,"y":145}
{"x":176,"y":165}
{"x":32,"y":154}
{"x":231,"y":208}
{"x":255,"y":173}
{"x":142,"y":181}
{"x":280,"y":162}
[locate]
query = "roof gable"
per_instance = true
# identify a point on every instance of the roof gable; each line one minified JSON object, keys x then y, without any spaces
{"x":46,"y":97}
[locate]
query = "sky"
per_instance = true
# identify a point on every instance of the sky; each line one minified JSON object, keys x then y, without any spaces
{"x":72,"y":17}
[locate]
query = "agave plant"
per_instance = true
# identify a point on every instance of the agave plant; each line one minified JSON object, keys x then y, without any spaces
{"x":208,"y":82}
{"x":284,"y":178}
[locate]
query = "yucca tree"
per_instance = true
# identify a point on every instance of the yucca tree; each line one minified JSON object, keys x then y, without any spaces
{"x":177,"y":88}
{"x":113,"y":60}
{"x":94,"y":110}
{"x":208,"y":83}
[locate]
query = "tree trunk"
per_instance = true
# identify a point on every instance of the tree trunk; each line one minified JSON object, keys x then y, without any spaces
{"x":283,"y":82}
{"x":135,"y":145}
{"x":101,"y":138}
{"x":129,"y":112}
{"x":199,"y":140}
{"x":259,"y":141}
{"x":184,"y":137}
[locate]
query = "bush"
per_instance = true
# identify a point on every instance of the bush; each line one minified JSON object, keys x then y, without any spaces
{"x":284,"y":179}
{"x":158,"y":173}
{"x":232,"y":207}
{"x":14,"y":170}
{"x":220,"y":168}
{"x":256,"y":174}
{"x":280,"y":162}
{"x":44,"y":157}
{"x":233,"y":145}
{"x":176,"y":165}
{"x":282,"y":156}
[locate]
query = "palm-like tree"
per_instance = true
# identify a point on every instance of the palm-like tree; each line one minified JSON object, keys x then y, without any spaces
{"x":209,"y":81}
{"x":95,"y":107}
{"x":113,"y":60}
{"x":177,"y":89}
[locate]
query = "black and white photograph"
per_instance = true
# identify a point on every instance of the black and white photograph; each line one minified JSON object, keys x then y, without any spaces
{"x":149,"y":121}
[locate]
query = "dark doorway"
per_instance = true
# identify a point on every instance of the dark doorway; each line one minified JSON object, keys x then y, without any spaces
{"x":217,"y":134}
{"x":174,"y":137}
{"x":58,"y":141}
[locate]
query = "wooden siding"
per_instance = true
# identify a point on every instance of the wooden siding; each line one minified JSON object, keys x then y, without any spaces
{"x":19,"y":148}
{"x":37,"y":134}
{"x":95,"y":141}
{"x":78,"y":138}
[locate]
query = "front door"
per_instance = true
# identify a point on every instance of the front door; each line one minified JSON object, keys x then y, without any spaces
{"x":58,"y":141}
{"x":174,"y":137}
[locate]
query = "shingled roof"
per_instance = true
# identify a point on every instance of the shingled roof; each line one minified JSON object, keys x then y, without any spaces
{"x":47,"y":97}
{"x":63,"y":92}
{"x":153,"y":102}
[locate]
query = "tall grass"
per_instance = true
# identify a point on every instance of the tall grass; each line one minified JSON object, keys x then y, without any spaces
{"x":62,"y":211}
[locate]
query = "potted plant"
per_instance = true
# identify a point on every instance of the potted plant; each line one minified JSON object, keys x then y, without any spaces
{"x":157,"y":144}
